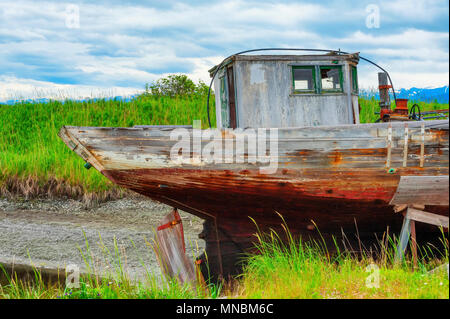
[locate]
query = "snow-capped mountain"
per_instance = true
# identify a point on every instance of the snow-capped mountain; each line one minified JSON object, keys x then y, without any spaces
{"x":439,"y":94}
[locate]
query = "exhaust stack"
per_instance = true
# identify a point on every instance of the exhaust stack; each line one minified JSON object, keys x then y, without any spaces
{"x":385,"y":101}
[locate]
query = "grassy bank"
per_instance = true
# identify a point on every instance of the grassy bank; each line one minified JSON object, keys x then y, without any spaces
{"x":34,"y":161}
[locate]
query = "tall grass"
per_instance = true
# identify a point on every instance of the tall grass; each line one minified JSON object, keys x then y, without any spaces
{"x":31,"y":150}
{"x":370,"y":106}
{"x":297,"y":269}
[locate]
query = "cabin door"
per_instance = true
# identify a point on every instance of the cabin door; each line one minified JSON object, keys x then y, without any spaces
{"x":227,"y":99}
{"x":231,"y":97}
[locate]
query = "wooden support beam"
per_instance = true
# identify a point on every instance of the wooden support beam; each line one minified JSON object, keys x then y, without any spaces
{"x":409,"y":228}
{"x":414,"y":242}
{"x":404,"y":238}
{"x":425,"y":217}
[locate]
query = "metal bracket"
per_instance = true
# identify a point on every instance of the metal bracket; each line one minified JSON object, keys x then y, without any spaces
{"x":389,"y":146}
{"x":405,"y":146}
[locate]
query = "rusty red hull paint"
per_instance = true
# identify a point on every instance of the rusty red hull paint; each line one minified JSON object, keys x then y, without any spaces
{"x":335,"y":203}
{"x":312,"y":195}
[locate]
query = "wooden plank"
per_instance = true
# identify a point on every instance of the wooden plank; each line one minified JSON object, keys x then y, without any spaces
{"x":405,"y":146}
{"x":422,"y":145}
{"x":295,"y":134}
{"x":122,"y":148}
{"x":429,"y":218}
{"x":170,"y":250}
{"x":79,"y":148}
{"x":163,"y":126}
{"x":366,"y":129}
{"x":414,"y":242}
{"x":427,"y":190}
{"x":389,"y":147}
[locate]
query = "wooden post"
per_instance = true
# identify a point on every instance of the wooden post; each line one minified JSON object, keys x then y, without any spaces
{"x":404,"y":238}
{"x":413,"y":242}
{"x":170,"y":250}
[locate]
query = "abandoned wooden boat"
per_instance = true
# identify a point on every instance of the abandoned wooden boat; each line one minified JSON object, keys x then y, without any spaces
{"x":303,"y":154}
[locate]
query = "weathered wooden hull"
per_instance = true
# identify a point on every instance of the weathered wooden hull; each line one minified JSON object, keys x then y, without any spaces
{"x":329,"y":177}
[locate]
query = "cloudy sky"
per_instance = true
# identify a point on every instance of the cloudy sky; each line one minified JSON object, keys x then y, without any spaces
{"x":115,"y":47}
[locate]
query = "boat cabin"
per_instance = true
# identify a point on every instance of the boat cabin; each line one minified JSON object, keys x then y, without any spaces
{"x":287,"y":90}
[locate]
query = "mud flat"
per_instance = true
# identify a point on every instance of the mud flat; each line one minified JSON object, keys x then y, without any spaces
{"x":50,"y":234}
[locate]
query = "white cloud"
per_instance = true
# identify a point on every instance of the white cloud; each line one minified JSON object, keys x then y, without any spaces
{"x":367,"y":77}
{"x":12,"y":88}
{"x":413,"y":57}
{"x":130,"y":45}
{"x":202,"y":17}
{"x":201,"y":67}
{"x":417,"y":10}
{"x":409,"y":39}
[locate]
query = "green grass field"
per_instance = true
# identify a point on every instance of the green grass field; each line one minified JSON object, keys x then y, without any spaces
{"x":34,"y":161}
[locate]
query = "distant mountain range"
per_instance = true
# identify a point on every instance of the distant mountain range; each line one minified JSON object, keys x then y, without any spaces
{"x":45,"y":100}
{"x":439,"y":94}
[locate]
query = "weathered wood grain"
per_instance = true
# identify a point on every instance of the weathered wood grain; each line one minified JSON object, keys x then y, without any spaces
{"x":170,"y":250}
{"x":428,"y":190}
{"x":343,"y":146}
{"x":429,"y":218}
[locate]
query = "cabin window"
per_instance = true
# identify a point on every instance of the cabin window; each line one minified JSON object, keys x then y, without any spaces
{"x":354,"y":78}
{"x":303,"y":78}
{"x":331,"y":78}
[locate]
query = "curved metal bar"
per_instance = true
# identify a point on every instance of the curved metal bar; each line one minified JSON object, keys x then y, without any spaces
{"x":289,"y":49}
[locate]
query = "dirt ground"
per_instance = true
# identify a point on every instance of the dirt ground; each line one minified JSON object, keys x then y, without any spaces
{"x":51,"y":233}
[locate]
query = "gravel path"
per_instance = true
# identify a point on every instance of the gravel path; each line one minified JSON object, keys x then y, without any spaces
{"x":51,"y":233}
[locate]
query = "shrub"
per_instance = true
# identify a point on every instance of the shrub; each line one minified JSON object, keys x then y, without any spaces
{"x":176,"y":85}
